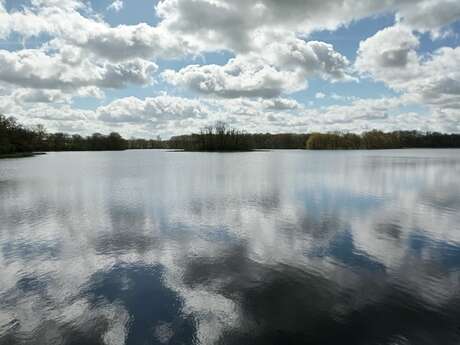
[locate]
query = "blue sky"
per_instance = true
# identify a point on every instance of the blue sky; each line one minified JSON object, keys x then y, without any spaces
{"x":147,"y":68}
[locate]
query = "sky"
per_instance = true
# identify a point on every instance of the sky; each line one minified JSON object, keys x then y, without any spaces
{"x":148,"y":68}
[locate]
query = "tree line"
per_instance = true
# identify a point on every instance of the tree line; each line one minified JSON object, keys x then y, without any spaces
{"x":219,"y":137}
{"x":244,"y":141}
{"x":16,"y":138}
{"x":222,"y":138}
{"x":381,"y":140}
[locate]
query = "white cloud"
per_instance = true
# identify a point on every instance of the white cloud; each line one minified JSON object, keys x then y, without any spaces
{"x":238,"y":25}
{"x":206,"y":25}
{"x":282,"y":67}
{"x":320,"y":95}
{"x":310,"y":58}
{"x":390,"y":56}
{"x":429,"y":15}
{"x":127,"y":42}
{"x":68,"y":5}
{"x":34,"y":68}
{"x":84,"y":55}
{"x":281,"y":104}
{"x":240,"y":77}
{"x":116,"y":6}
{"x":338,"y":97}
{"x":94,"y":36}
{"x":152,"y":111}
{"x":40,"y":96}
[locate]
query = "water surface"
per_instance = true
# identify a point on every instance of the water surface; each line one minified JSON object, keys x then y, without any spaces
{"x":282,"y":247}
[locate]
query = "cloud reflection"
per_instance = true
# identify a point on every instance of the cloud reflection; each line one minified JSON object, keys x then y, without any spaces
{"x":280,"y":247}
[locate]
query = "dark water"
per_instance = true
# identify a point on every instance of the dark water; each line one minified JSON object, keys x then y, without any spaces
{"x":293,"y":247}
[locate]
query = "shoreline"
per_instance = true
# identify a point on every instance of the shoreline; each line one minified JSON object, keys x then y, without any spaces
{"x":21,"y":155}
{"x":33,"y":154}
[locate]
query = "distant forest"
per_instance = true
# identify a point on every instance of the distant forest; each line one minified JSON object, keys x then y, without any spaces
{"x":222,"y":138}
{"x":16,"y":139}
{"x":375,"y":140}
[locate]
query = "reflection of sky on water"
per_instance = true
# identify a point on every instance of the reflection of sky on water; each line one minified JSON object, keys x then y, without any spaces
{"x":270,"y":247}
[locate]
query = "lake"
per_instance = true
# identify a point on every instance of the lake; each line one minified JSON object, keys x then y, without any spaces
{"x":281,"y":247}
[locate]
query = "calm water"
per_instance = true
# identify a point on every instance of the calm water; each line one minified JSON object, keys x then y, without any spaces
{"x":283,"y":247}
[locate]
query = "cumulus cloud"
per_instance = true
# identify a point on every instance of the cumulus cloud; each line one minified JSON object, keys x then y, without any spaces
{"x":311,"y":58}
{"x":69,"y":26}
{"x":240,"y":77}
{"x":239,"y":25}
{"x":131,"y":41}
{"x":35,"y":68}
{"x":429,"y":15}
{"x":280,"y":68}
{"x":152,"y":110}
{"x":391,"y":56}
{"x":40,"y":96}
{"x":207,"y":25}
{"x":390,"y":53}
